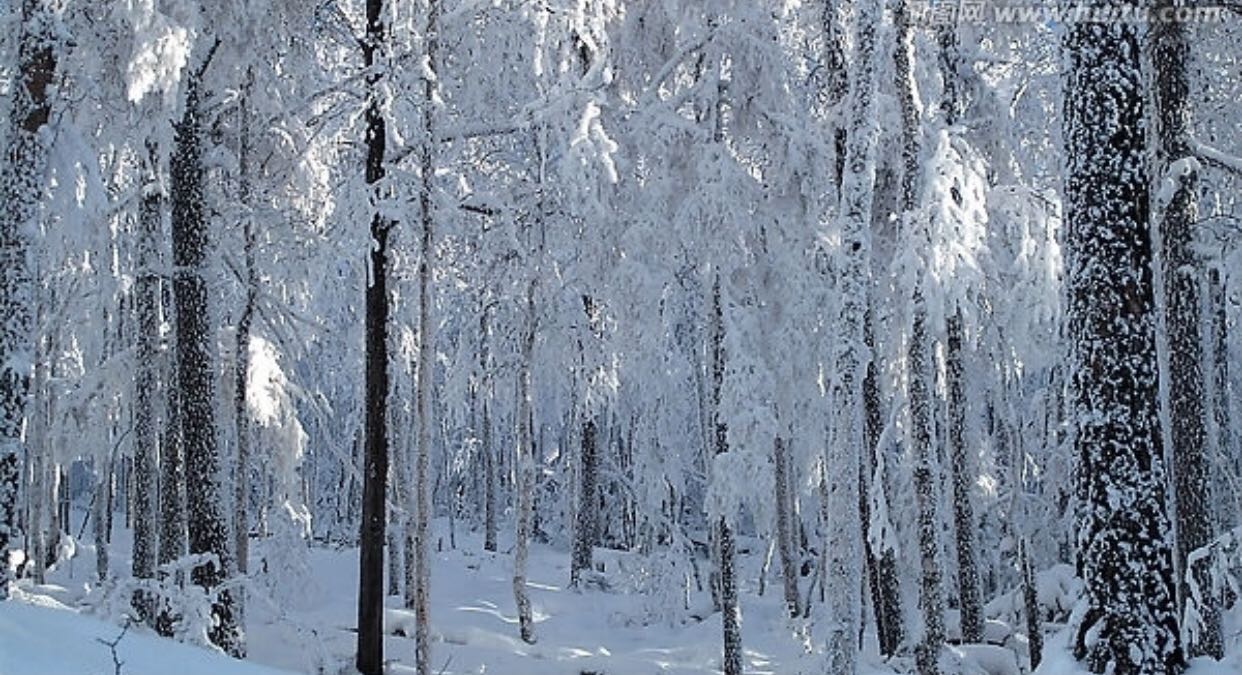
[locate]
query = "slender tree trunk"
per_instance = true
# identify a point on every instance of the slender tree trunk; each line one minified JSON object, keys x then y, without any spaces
{"x":21,"y":188}
{"x":370,"y":656}
{"x":526,"y":474}
{"x":926,"y":480}
{"x":1227,"y":509}
{"x":173,"y":527}
{"x":1187,"y":404}
{"x":241,"y":347}
{"x":784,"y":527}
{"x":730,"y":610}
{"x":208,"y":525}
{"x":485,"y":435}
{"x":1130,"y":625}
{"x":146,"y":434}
{"x":587,"y":515}
{"x":970,"y":604}
{"x":1030,"y":605}
{"x":426,"y":344}
{"x":882,"y":563}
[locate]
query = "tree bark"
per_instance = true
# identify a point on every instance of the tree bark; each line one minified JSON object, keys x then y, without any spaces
{"x":526,"y":474}
{"x":370,"y":656}
{"x":146,"y":434}
{"x":207,"y":525}
{"x":926,"y":471}
{"x":1187,"y":403}
{"x":970,"y":605}
{"x":730,"y":611}
{"x":21,"y":186}
{"x":1125,"y":558}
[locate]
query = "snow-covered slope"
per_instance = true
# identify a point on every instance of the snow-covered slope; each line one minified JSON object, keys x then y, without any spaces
{"x":39,"y":636}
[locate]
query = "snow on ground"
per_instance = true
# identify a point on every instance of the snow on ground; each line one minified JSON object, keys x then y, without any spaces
{"x":40,"y":636}
{"x":616,"y":631}
{"x":474,"y":622}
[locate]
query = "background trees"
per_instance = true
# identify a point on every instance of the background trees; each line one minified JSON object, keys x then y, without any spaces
{"x":693,"y":281}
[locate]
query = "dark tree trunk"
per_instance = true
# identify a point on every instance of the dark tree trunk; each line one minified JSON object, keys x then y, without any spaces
{"x":1192,"y":487}
{"x":587,"y":517}
{"x":926,"y":470}
{"x":969,"y":603}
{"x":21,"y":189}
{"x":1125,"y":557}
{"x":881,"y":565}
{"x":207,"y":525}
{"x":1226,"y":509}
{"x":730,"y":611}
{"x":146,"y":436}
{"x":784,"y":527}
{"x":370,"y":657}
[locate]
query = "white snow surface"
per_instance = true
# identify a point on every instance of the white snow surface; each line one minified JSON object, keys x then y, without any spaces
{"x":305,"y":624}
{"x":40,"y":636}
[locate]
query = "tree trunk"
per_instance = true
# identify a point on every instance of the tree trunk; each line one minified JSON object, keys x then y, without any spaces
{"x":241,"y":347}
{"x":146,"y":434}
{"x":526,"y":474}
{"x":1125,"y":557}
{"x":421,"y":501}
{"x":881,"y":564}
{"x":587,"y":514}
{"x":1226,"y":509}
{"x":784,"y":527}
{"x":485,"y":436}
{"x":1187,"y":404}
{"x":926,"y":474}
{"x":730,"y":611}
{"x":370,"y":656}
{"x":970,"y":605}
{"x":21,"y":188}
{"x":207,"y":525}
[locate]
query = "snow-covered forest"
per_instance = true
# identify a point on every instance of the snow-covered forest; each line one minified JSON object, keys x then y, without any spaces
{"x":571,"y":337}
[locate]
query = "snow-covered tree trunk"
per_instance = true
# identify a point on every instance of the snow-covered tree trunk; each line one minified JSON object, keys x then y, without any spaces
{"x":196,"y":346}
{"x":843,"y":575}
{"x":146,"y":435}
{"x":485,"y":434}
{"x":525,"y":473}
{"x":172,"y":521}
{"x":1125,"y":557}
{"x":730,"y":610}
{"x":882,"y":563}
{"x":22,"y":177}
{"x":1218,"y":343}
{"x":370,"y":656}
{"x":785,"y":526}
{"x":241,"y":346}
{"x":1187,"y":404}
{"x":926,"y":469}
{"x":587,"y":512}
{"x":420,"y":500}
{"x":970,"y":604}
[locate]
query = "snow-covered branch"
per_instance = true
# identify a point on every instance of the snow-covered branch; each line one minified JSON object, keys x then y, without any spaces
{"x":1216,"y":158}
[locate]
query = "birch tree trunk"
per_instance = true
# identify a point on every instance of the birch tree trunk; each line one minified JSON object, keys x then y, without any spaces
{"x":421,"y":498}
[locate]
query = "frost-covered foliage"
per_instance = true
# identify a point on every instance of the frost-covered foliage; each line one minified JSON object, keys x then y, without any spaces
{"x":778,"y":281}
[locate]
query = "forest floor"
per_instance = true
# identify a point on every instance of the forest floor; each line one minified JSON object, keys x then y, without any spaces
{"x":301,"y":614}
